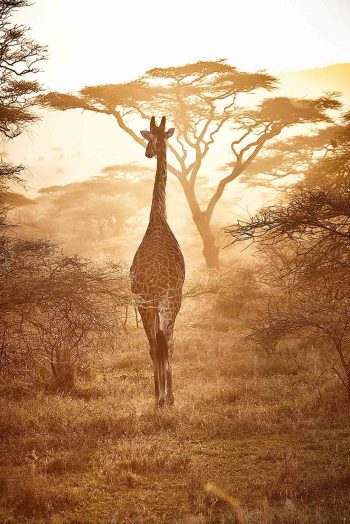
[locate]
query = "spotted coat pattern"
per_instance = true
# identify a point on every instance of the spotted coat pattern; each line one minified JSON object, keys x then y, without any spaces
{"x":157,"y":276}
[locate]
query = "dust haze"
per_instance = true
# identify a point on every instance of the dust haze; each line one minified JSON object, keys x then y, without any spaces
{"x":211,"y":382}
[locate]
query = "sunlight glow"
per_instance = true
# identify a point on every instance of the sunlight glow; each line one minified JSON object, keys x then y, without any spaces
{"x":111,"y":41}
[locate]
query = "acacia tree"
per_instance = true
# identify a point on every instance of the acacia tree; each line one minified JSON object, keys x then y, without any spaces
{"x":19,"y":59}
{"x":204,"y":100}
{"x":299,"y":157}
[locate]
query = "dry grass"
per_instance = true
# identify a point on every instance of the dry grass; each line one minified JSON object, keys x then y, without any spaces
{"x":254,"y":427}
{"x":26,"y":494}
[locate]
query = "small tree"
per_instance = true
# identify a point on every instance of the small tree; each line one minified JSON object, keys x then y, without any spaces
{"x":240,"y":292}
{"x":308,"y":310}
{"x":306,"y":246}
{"x":54,"y":308}
{"x":204,"y":100}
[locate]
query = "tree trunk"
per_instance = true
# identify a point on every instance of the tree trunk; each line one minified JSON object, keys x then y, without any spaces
{"x":63,"y":372}
{"x":210,"y":250}
{"x":202,"y":221}
{"x":64,"y":379}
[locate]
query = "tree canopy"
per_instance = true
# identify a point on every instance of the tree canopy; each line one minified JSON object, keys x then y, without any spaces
{"x":201,"y":99}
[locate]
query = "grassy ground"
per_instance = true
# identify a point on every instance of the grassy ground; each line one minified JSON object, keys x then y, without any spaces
{"x":249,"y":439}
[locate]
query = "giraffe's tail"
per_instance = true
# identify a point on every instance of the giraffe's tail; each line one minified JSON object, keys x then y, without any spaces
{"x":162,"y":357}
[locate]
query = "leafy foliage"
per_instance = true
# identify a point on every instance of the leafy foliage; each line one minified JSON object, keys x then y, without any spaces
{"x":298,"y":156}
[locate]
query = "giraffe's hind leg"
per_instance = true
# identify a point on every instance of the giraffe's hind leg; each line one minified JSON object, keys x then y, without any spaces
{"x":149,"y":318}
{"x":168,"y":310}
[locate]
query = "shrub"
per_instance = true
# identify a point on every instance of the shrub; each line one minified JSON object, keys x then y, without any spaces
{"x":54,"y":308}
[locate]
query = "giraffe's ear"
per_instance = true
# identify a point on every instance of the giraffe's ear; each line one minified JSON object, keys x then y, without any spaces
{"x":169,"y":133}
{"x":146,"y":134}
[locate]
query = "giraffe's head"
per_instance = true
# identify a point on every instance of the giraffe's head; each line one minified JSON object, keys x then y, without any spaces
{"x":156,"y":137}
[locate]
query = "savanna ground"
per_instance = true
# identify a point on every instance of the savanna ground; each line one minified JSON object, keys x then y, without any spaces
{"x":260,"y":428}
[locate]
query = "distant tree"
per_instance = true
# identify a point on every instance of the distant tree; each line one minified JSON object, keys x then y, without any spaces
{"x":19,"y":59}
{"x":202,"y":100}
{"x":240,"y":291}
{"x":92,"y":216}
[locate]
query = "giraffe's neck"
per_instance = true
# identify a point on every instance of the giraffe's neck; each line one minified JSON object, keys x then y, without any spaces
{"x":158,"y":209}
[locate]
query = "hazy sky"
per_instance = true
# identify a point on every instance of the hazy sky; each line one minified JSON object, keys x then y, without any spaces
{"x":111,"y":41}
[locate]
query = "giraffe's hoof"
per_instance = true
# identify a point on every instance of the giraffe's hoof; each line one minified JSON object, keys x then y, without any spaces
{"x":161,"y":402}
{"x":170,"y":400}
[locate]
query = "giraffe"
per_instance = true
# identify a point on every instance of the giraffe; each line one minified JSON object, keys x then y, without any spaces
{"x":158,"y":272}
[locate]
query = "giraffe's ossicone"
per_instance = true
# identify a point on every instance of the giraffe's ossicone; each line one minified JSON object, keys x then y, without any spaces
{"x":158,"y":272}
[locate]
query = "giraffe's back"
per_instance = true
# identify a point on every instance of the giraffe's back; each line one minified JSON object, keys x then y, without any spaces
{"x":158,"y":267}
